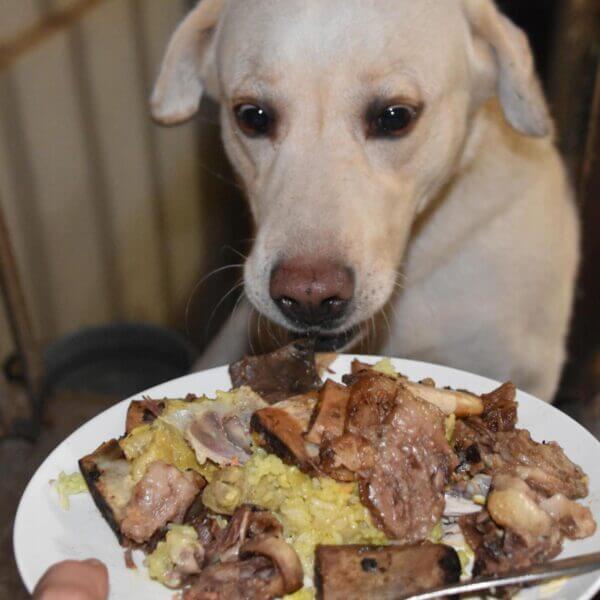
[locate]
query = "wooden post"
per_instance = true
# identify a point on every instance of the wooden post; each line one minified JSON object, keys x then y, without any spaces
{"x":22,"y":332}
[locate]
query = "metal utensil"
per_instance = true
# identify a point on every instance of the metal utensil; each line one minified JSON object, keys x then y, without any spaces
{"x":553,"y":570}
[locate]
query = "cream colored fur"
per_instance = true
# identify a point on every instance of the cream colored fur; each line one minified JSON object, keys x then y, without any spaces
{"x":471,"y":213}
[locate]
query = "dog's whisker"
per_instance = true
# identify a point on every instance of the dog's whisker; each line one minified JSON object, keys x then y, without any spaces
{"x":249,"y":327}
{"x":387,"y":322}
{"x":238,"y":302}
{"x":234,"y":288}
{"x":197,"y":287}
{"x":374,"y":332}
{"x":219,"y":176}
{"x":235,"y":251}
{"x":274,"y":339}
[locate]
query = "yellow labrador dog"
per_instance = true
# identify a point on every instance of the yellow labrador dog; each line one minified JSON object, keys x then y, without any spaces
{"x":394,"y":152}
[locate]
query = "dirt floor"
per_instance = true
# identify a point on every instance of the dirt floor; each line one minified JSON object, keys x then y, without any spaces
{"x":20,"y":459}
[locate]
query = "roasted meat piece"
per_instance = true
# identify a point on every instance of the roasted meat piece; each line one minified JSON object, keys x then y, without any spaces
{"x":344,"y":458}
{"x":372,"y":399}
{"x":499,"y":550}
{"x":500,"y":408}
{"x":143,"y":412}
{"x":460,"y":403}
{"x":286,"y":372}
{"x":246,"y":523}
{"x":108,"y":476}
{"x":163,"y":495}
{"x":520,"y":527}
{"x":404,"y":490}
{"x":329,"y":416}
{"x":281,"y":429}
{"x":545,"y":467}
{"x":383,"y":572}
{"x":253,"y":579}
{"x":267,"y":568}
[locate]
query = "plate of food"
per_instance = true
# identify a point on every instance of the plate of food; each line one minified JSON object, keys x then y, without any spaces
{"x":300,"y":475}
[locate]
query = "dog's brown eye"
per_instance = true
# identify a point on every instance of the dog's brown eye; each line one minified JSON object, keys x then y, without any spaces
{"x":253,"y":120}
{"x":392,"y":121}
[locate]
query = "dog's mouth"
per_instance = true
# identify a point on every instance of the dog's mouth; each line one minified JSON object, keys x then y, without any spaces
{"x":333,"y":342}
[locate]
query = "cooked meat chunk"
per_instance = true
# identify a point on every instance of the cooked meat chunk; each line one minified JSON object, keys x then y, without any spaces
{"x":499,"y":550}
{"x":142,"y":412}
{"x":209,"y":439}
{"x":545,"y":467}
{"x":521,"y":527}
{"x":513,"y":505}
{"x":281,"y":428}
{"x":344,"y":457}
{"x":247,"y":523}
{"x":220,"y":430}
{"x":404,"y":490}
{"x":229,"y":540}
{"x":253,"y":579}
{"x":286,"y":372}
{"x":449,"y":401}
{"x":330,"y":413}
{"x":267,"y":568}
{"x":500,"y":408}
{"x":372,"y":399}
{"x":383,"y":572}
{"x":575,"y":521}
{"x":162,"y":496}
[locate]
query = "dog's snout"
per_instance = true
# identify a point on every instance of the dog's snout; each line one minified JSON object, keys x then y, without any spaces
{"x":312,"y":292}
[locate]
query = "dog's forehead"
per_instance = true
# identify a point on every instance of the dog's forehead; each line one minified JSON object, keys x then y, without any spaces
{"x":278,"y":37}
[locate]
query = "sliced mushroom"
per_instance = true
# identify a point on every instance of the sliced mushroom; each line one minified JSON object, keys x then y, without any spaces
{"x":283,"y":556}
{"x":330,"y":412}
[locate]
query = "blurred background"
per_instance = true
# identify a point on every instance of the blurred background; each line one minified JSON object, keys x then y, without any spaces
{"x":115,"y":223}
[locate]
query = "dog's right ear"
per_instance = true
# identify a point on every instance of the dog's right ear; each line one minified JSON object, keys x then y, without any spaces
{"x":185,"y":68}
{"x":505,"y":66}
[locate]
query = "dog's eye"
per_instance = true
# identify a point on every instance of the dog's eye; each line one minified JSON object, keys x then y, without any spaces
{"x":253,"y":120}
{"x":392,"y":121}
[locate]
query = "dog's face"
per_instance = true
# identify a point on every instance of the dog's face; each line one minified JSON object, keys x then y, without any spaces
{"x":344,"y":118}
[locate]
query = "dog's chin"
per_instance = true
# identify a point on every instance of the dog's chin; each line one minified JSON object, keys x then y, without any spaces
{"x":334,"y":342}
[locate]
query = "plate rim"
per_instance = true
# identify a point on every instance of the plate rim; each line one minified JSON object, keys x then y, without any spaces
{"x":89,"y":424}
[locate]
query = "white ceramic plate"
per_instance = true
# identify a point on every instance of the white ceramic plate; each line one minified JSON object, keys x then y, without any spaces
{"x":44,"y":533}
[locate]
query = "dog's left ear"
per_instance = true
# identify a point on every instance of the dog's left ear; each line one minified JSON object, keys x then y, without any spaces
{"x":186,"y":68}
{"x":505,"y":63}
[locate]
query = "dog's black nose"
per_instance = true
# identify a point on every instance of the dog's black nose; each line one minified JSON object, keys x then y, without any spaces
{"x":312,"y":292}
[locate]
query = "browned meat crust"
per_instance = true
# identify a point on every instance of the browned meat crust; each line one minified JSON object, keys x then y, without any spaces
{"x":330,"y":413}
{"x":247,"y":559}
{"x":500,"y":408}
{"x":106,"y":462}
{"x":280,"y":429}
{"x":383,"y":572}
{"x":286,"y":372}
{"x":499,"y":550}
{"x":545,"y":467}
{"x":142,"y":412}
{"x":253,"y":579}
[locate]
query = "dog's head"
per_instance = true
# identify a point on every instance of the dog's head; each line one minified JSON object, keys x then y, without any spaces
{"x":344,"y":119}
